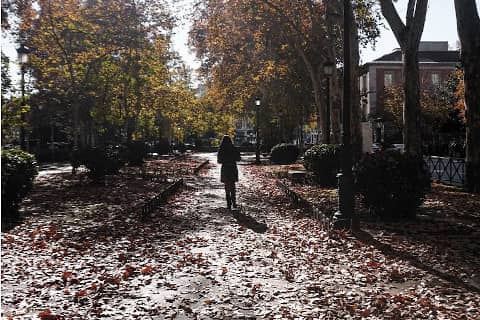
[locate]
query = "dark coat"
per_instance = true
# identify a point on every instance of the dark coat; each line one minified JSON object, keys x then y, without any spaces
{"x":228,"y":158}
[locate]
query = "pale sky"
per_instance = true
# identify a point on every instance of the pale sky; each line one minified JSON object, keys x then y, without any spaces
{"x":440,"y":25}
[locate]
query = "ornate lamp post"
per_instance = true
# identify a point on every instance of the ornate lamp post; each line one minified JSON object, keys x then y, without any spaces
{"x":22,"y":52}
{"x":328,"y":72}
{"x":345,"y":215}
{"x":257,"y":137}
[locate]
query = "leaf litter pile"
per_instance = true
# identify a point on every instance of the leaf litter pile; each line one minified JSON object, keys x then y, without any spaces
{"x":72,"y":258}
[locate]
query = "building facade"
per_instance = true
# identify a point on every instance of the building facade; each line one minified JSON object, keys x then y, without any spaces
{"x":244,"y":132}
{"x":436,"y":63}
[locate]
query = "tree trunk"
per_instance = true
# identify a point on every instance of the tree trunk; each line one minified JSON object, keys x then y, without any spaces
{"x":472,"y":115}
{"x":408,"y":36}
{"x":356,"y":133}
{"x":336,"y":85}
{"x":317,"y":92}
{"x":468,"y":24}
{"x":319,"y":107}
{"x":76,"y":125}
{"x":411,"y":110}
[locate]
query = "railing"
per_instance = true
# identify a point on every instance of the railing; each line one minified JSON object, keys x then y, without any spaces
{"x":446,"y":170}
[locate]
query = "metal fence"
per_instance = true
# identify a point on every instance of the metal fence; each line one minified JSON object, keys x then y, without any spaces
{"x":446,"y":170}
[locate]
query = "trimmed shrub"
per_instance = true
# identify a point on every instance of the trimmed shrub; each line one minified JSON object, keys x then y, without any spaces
{"x":323,"y":160}
{"x":162,"y":147}
{"x":134,"y":153}
{"x":392,"y":184}
{"x":284,"y":153}
{"x":19,"y":169}
{"x":102,"y":161}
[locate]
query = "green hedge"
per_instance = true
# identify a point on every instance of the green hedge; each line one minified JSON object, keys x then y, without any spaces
{"x":135,"y":153}
{"x":392,"y":184}
{"x":284,"y":153}
{"x":323,"y":160}
{"x":100,"y":161}
{"x":19,"y":169}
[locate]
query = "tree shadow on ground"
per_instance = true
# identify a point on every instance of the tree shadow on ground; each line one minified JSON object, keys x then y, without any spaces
{"x":104,"y":213}
{"x":9,"y":224}
{"x":410,"y":247}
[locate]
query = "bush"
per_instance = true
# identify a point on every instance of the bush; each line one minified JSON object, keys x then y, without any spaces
{"x":100,"y":161}
{"x":284,"y":153}
{"x":323,"y":160}
{"x":19,"y":169}
{"x":134,"y":153}
{"x":163,"y":147}
{"x":392,"y":184}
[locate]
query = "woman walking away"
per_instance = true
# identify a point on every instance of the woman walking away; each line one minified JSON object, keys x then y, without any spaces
{"x":228,"y":156}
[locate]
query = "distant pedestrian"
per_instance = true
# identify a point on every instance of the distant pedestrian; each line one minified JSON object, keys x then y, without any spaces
{"x":228,"y":156}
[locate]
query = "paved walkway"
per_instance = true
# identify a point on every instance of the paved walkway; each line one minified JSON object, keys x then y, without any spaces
{"x":55,"y":167}
{"x":225,"y":258}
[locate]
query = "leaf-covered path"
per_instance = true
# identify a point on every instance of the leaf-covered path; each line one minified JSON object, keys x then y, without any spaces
{"x":193,"y":259}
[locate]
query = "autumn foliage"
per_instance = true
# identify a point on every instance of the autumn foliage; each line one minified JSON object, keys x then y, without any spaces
{"x":105,"y":71}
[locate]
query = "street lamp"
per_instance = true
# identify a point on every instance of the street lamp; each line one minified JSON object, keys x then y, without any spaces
{"x":257,"y":137}
{"x":344,"y":217}
{"x":328,"y":72}
{"x":22,"y":53}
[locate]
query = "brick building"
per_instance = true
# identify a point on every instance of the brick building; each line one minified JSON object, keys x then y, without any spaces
{"x":436,"y":63}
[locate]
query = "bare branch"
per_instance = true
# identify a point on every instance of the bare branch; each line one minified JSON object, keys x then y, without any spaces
{"x":410,"y":12}
{"x":419,"y":20}
{"x":398,"y":27}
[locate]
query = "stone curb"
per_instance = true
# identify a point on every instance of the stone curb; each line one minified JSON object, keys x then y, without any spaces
{"x":161,"y":198}
{"x":200,"y":167}
{"x":312,"y":210}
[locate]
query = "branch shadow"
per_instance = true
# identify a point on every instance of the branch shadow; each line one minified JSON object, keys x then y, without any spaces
{"x":388,"y":250}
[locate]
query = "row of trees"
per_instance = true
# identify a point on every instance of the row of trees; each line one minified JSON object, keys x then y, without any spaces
{"x":104,"y":68}
{"x":276,"y":49}
{"x":103,"y":71}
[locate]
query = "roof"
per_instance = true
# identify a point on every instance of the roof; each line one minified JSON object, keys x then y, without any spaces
{"x":424,"y":56}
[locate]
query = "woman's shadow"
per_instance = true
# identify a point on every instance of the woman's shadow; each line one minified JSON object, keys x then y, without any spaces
{"x":247,"y":221}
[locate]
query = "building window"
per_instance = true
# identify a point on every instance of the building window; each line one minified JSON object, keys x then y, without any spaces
{"x":238,"y":124}
{"x":435,"y":79}
{"x":388,"y":79}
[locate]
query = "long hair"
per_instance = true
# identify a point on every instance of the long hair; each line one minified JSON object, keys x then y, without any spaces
{"x":226,"y":143}
{"x":226,"y":149}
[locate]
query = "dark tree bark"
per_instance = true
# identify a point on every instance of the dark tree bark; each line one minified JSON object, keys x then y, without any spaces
{"x":468,"y":26}
{"x":356,"y":132}
{"x":408,"y":36}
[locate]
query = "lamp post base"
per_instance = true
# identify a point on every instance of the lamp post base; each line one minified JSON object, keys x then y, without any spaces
{"x":341,"y":221}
